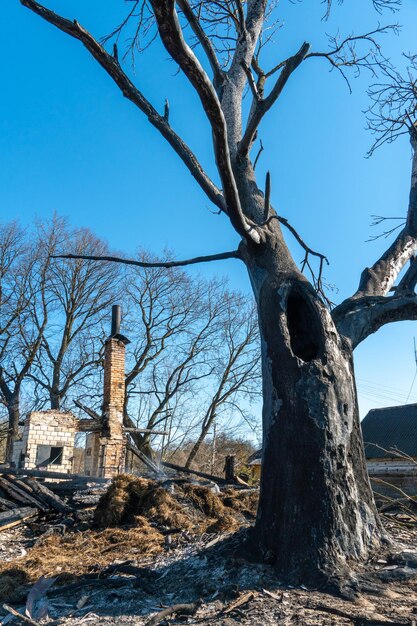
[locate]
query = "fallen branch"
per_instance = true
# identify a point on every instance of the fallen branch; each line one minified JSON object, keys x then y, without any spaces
{"x":20,"y":616}
{"x":239,"y":602}
{"x":359,"y":620}
{"x":184,"y":609}
{"x":186,"y":470}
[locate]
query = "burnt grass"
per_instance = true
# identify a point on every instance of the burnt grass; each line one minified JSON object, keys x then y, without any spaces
{"x":149,"y":545}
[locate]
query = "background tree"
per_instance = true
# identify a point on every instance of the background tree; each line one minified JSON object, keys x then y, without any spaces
{"x":24,"y":267}
{"x":212,"y":453}
{"x":236,"y":373}
{"x":79,"y":296}
{"x":316,"y":507}
{"x":187,"y":343}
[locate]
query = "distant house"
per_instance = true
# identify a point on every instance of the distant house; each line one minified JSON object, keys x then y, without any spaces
{"x":390,"y":438}
{"x":255,"y":464}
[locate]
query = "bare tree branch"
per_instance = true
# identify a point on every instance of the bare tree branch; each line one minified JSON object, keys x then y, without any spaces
{"x":343,"y":53}
{"x":173,"y":40}
{"x":393,"y":110}
{"x":114,"y":259}
{"x":205,"y":42}
{"x":379,"y":219}
{"x":379,"y":5}
{"x":408,"y":282}
{"x":361,"y":317}
{"x":380,"y":277}
{"x":263,"y":105}
{"x":112,"y":67}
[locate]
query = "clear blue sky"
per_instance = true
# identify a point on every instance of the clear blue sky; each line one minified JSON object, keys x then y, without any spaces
{"x":71,"y":143}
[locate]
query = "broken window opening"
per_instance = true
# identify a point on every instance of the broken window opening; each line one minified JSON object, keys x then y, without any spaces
{"x":49,"y":455}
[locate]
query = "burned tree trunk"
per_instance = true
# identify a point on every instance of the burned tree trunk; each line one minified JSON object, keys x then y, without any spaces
{"x":316,"y":510}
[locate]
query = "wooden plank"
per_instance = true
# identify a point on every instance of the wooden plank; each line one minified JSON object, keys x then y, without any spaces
{"x":149,"y":464}
{"x":17,"y":516}
{"x":52,"y":500}
{"x":87,"y":410}
{"x":16,"y":493}
{"x":89,"y":426}
{"x":44,"y":474}
{"x":7,"y":504}
{"x":145,"y":430}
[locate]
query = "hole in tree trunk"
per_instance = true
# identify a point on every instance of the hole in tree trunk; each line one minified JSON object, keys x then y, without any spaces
{"x":303,"y":327}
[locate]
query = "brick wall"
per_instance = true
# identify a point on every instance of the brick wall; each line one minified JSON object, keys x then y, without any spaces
{"x":49,"y":428}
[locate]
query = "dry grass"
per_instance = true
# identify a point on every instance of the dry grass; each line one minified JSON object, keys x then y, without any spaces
{"x":129,"y":496}
{"x":190,"y":507}
{"x":78,"y":553}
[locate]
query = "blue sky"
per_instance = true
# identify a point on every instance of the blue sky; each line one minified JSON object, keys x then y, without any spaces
{"x":71,"y":143}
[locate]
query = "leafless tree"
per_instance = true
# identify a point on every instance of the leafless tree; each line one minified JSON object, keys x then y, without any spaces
{"x":182,"y":326}
{"x":78,"y":295}
{"x":24,"y":263}
{"x":317,"y":511}
{"x":236,"y":376}
{"x":162,"y":306}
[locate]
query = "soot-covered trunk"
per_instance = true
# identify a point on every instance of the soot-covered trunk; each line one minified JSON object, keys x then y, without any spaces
{"x":316,"y":511}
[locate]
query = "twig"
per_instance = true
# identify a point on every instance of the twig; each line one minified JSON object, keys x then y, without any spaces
{"x":261,"y":149}
{"x":184,"y":609}
{"x":267,"y":195}
{"x":239,"y":602}
{"x":359,"y":620}
{"x":20,"y":616}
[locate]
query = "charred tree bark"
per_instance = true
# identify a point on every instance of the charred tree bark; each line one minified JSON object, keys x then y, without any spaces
{"x":316,"y":510}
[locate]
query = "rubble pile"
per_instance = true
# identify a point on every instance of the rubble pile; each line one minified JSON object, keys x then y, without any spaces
{"x":135,"y":518}
{"x":165,"y":550}
{"x":22,"y":499}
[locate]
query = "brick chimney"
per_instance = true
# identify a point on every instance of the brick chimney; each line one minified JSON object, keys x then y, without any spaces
{"x":112,"y":439}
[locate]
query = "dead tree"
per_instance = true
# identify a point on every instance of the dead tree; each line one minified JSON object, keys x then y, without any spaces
{"x":79,"y":295}
{"x":237,"y":373}
{"x":24,"y":268}
{"x":317,"y":512}
{"x":173,"y":376}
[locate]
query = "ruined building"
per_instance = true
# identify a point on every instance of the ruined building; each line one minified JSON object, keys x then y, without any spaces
{"x":105,"y":450}
{"x":49,"y":436}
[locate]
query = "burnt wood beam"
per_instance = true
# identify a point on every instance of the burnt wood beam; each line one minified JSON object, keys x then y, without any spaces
{"x":89,"y":426}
